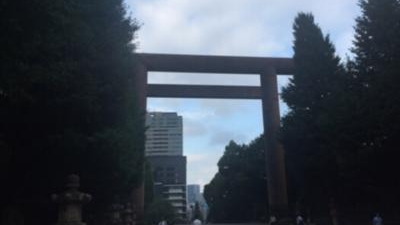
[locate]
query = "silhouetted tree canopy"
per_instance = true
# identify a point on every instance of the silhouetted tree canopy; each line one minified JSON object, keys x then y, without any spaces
{"x":67,"y":103}
{"x":159,"y":210}
{"x":376,"y":68}
{"x":237,"y":193}
{"x":309,"y":130}
{"x":340,"y":134}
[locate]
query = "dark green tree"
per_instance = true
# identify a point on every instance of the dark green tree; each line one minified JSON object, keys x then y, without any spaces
{"x":376,"y":70}
{"x":160,"y":210}
{"x":310,"y":129}
{"x":67,"y":103}
{"x":237,"y":193}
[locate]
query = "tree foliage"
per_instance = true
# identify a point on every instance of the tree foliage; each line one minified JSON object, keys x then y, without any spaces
{"x":67,"y":102}
{"x":159,"y":210}
{"x":308,"y":129}
{"x":237,"y":192}
{"x":376,"y":69}
{"x":341,"y":131}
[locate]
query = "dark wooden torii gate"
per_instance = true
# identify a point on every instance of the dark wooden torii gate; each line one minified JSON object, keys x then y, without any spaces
{"x":268,"y":69}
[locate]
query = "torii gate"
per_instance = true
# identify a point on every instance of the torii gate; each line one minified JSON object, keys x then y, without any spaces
{"x":268,"y":69}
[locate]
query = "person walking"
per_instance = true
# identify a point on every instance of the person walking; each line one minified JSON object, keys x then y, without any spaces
{"x":196,"y":222}
{"x":299,"y":220}
{"x":377,"y":220}
{"x":272,"y":220}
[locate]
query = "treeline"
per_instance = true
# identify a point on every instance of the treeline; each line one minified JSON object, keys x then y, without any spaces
{"x":237,"y":193}
{"x":67,"y":105}
{"x":342,"y":130}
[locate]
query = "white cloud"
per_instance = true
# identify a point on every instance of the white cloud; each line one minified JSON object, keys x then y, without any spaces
{"x":242,"y":27}
{"x":201,"y":167}
{"x":203,"y":78}
{"x":193,"y":128}
{"x":224,"y":136}
{"x":196,"y":157}
{"x":342,"y":44}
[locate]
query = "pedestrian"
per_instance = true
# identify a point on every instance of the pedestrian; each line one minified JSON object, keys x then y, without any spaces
{"x":377,"y":220}
{"x":299,"y":220}
{"x":272,"y":220}
{"x":196,"y":222}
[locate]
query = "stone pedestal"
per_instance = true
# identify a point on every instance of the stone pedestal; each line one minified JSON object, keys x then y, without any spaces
{"x":127,"y":215}
{"x":70,"y":203}
{"x":333,"y":212}
{"x":115,"y":214}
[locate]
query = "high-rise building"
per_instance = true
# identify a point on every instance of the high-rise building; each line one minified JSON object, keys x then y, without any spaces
{"x":193,"y":193}
{"x":163,"y":134}
{"x":164,"y":151}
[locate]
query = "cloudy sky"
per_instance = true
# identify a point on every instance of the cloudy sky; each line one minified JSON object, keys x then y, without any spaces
{"x":227,"y":27}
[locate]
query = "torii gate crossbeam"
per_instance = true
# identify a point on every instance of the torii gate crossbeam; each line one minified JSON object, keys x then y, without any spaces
{"x":203,"y":91}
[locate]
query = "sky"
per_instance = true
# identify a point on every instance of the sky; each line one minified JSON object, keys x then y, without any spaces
{"x":235,"y":28}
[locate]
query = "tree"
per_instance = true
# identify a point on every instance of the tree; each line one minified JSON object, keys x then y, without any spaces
{"x":160,"y":210}
{"x":67,"y":103}
{"x":310,"y":130}
{"x":376,"y":67}
{"x":342,"y":128}
{"x":237,"y":193}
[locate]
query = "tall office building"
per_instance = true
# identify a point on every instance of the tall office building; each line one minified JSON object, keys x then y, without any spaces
{"x":193,"y":193}
{"x":164,"y":151}
{"x":163,"y":134}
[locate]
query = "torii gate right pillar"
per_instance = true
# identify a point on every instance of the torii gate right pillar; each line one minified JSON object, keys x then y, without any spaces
{"x":274,"y":154}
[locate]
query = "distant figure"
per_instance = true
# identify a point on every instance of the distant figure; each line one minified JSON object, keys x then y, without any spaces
{"x":299,"y":220}
{"x":196,"y":222}
{"x":377,"y":220}
{"x":272,"y":220}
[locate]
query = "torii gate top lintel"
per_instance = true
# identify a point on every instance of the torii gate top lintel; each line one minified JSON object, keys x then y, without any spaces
{"x":263,"y":66}
{"x":214,"y":63}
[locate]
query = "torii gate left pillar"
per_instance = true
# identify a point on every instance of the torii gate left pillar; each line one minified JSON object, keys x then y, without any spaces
{"x":141,"y":96}
{"x":267,"y":68}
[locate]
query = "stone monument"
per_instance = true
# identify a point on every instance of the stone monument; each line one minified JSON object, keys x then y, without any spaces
{"x":70,"y":203}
